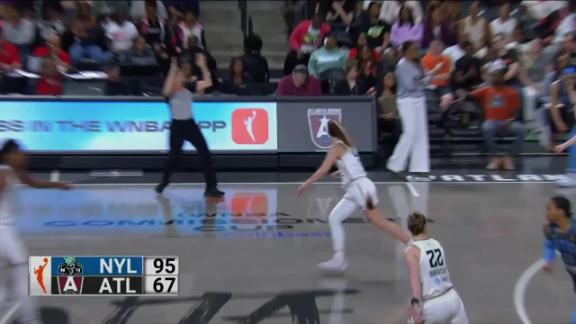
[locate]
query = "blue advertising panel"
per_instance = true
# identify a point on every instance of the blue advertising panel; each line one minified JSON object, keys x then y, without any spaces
{"x":124,"y":126}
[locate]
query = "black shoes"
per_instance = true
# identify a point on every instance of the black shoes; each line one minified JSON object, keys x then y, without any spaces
{"x":214,"y":193}
{"x":160,"y":187}
{"x":211,"y":192}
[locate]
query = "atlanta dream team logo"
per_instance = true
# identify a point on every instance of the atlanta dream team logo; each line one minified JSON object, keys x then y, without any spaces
{"x":250,"y":126}
{"x":318,"y":119}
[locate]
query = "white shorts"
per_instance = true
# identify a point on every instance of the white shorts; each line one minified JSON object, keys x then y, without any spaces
{"x":359,"y":190}
{"x":444,"y":309}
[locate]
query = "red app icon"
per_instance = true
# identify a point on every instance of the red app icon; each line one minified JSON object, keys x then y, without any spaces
{"x":250,"y":126}
{"x":249,"y":204}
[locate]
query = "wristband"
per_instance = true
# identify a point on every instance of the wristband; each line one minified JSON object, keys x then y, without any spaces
{"x":414,"y":301}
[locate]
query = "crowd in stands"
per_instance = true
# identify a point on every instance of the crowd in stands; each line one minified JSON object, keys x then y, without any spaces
{"x":55,"y":38}
{"x":337,"y":47}
{"x":481,"y":56}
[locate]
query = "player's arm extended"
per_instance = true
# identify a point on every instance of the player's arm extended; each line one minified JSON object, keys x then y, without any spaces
{"x":335,"y":152}
{"x":549,"y":253}
{"x":327,"y":164}
{"x":41,"y":184}
{"x":569,"y":142}
{"x":169,"y":82}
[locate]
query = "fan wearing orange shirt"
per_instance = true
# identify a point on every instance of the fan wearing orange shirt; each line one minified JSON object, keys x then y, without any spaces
{"x":501,"y":105}
{"x":440,"y":66}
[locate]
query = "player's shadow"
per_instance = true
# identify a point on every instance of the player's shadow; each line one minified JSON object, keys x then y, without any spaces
{"x":50,"y":315}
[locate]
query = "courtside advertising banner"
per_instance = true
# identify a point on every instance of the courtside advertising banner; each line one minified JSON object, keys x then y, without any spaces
{"x":128,"y":127}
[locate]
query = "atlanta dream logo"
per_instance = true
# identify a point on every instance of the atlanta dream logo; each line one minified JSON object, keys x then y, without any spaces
{"x":318,"y":119}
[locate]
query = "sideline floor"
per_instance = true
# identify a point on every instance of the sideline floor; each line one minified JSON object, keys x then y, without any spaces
{"x":252,"y":260}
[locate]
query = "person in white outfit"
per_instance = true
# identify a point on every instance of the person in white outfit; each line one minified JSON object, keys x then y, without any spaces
{"x":411,"y":102}
{"x":361,"y":193}
{"x":434,"y":299}
{"x":13,"y":253}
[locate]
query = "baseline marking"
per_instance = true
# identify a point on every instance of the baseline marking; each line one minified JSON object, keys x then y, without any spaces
{"x":8,"y":317}
{"x":412,"y":189}
{"x":520,"y":290}
{"x":298,"y":183}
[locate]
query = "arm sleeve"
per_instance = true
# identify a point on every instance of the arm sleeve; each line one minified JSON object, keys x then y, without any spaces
{"x":549,"y":253}
{"x":296,"y":36}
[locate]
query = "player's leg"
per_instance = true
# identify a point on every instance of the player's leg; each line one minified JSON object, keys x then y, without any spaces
{"x":13,"y":251}
{"x":194,"y":136}
{"x":440,"y":310}
{"x":460,"y":316}
{"x":375,"y":216}
{"x":176,"y":140}
{"x":344,"y":209}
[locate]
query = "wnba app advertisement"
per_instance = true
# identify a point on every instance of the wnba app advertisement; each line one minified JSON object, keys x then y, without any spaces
{"x":108,"y":126}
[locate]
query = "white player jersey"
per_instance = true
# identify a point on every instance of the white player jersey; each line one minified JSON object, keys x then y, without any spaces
{"x":8,"y":196}
{"x":350,"y":166}
{"x":434,"y":275}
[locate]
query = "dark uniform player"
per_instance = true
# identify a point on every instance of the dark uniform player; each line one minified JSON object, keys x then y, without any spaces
{"x":560,"y":235}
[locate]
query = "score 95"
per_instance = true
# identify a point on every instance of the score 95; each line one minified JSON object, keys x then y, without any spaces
{"x":161,"y":266}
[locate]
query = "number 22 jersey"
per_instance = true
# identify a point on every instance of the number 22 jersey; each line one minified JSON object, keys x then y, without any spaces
{"x":434,"y":275}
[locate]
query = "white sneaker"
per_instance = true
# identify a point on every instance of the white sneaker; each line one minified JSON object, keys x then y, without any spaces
{"x":569,"y":181}
{"x":334,"y":265}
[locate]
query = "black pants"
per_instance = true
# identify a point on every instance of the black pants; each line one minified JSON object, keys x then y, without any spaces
{"x":181,"y":130}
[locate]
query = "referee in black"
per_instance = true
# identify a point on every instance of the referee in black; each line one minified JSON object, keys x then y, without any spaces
{"x":176,"y":88}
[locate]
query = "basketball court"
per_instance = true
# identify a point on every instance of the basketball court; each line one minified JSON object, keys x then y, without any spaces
{"x":251,"y":258}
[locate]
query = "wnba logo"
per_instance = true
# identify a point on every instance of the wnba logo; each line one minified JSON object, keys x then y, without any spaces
{"x":40,"y":275}
{"x":250,"y":126}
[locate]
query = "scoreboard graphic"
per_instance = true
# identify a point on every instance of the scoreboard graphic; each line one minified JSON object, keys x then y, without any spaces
{"x":103,"y":275}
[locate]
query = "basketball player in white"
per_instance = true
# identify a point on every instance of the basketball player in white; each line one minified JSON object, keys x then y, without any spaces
{"x":13,"y":254}
{"x":434,"y":300}
{"x":359,"y":190}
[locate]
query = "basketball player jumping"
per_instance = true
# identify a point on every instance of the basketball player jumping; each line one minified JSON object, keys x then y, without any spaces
{"x":434,"y":300}
{"x":13,"y":254}
{"x":559,"y":236}
{"x":359,"y":190}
